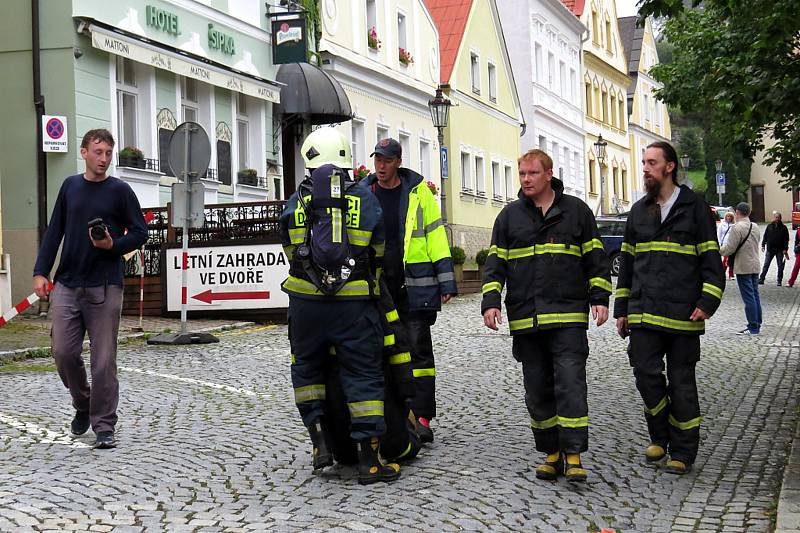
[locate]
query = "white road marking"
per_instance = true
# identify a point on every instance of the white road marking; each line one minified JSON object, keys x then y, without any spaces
{"x":174,"y":377}
{"x":44,"y":435}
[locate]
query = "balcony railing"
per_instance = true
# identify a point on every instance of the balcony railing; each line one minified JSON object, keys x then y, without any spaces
{"x":252,"y":181}
{"x":140,"y":162}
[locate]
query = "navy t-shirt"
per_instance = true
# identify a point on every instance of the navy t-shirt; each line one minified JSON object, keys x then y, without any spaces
{"x":78,"y":202}
{"x":393,"y":254}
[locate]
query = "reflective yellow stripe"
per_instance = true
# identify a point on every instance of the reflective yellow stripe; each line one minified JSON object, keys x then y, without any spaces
{"x":544,"y":424}
{"x":359,"y":237}
{"x":388,"y":340}
{"x":623,"y":293}
{"x":658,"y":408}
{"x":689,"y":424}
{"x":666,"y":246}
{"x":351,"y":288}
{"x":379,"y":249}
{"x":309,"y":393}
{"x":492,"y":286}
{"x":332,"y":350}
{"x":594,"y":244}
{"x":406,"y":452}
{"x":424,"y":372}
{"x":366,"y":408}
{"x":600,"y":282}
{"x":627,"y":248}
{"x":713,"y":290}
{"x":562,"y":318}
{"x":538,"y":249}
{"x":664,"y":322}
{"x":556,"y":248}
{"x":289,"y":251}
{"x":519,"y":253}
{"x":501,"y":253}
{"x":400,"y":358}
{"x":293,"y":358}
{"x":580,"y":422}
{"x":297,"y":235}
{"x":392,"y":316}
{"x":522,"y":323}
{"x":707,"y":246}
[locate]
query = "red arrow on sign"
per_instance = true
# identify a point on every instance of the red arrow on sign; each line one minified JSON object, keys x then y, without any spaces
{"x":208,"y":296}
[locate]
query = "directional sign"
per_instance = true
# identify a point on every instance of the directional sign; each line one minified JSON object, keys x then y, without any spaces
{"x":54,"y":134}
{"x":720,"y":179}
{"x":228,"y":277}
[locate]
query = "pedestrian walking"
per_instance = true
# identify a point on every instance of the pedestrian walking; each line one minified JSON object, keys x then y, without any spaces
{"x":742,"y":247}
{"x":722,"y":236}
{"x":796,"y":267}
{"x":776,"y":244}
{"x":417,"y":266}
{"x":546,"y":250}
{"x":670,"y":282}
{"x":96,"y":220}
{"x":332,"y":233}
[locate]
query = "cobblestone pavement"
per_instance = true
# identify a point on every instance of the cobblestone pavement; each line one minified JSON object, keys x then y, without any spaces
{"x":210,"y":441}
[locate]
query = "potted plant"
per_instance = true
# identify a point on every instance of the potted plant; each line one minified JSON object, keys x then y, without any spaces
{"x":372,"y":39}
{"x":247,"y":176}
{"x":361,"y":172}
{"x":481,"y":258}
{"x":130,"y":156}
{"x":433,"y":188}
{"x":459,"y":256}
{"x":405,"y":57}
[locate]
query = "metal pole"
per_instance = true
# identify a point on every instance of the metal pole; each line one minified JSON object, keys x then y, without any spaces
{"x":185,"y":233}
{"x":720,"y":198}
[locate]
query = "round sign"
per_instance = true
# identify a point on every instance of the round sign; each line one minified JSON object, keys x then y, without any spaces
{"x":189,"y":151}
{"x":54,"y":128}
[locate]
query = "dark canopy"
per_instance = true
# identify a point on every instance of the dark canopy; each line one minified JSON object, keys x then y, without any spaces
{"x":312,"y":92}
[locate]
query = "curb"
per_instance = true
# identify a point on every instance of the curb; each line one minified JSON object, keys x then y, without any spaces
{"x":44,"y":351}
{"x":788,"y":513}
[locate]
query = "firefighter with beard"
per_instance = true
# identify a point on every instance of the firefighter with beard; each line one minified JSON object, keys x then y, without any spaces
{"x":670,"y":282}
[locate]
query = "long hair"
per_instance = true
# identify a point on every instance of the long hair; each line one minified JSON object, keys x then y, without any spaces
{"x":670,"y":155}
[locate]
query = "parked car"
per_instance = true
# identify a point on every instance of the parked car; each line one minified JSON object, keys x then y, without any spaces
{"x":719,"y":212}
{"x":612,"y":232}
{"x":796,"y":215}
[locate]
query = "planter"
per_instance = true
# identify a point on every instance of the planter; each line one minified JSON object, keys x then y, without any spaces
{"x":459,"y":273}
{"x":247,"y":180}
{"x":131,"y":161}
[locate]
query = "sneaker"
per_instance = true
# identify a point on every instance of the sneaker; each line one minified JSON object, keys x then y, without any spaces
{"x":761,"y":282}
{"x":424,"y":430}
{"x":747,"y":332}
{"x":105,"y":440}
{"x":80,"y":424}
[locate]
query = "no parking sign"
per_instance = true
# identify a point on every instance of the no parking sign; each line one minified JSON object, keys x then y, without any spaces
{"x":54,"y":134}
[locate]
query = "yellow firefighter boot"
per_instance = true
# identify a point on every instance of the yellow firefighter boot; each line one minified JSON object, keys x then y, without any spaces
{"x":575,"y":472}
{"x":551,"y":468}
{"x":371,"y":468}
{"x":654,"y":453}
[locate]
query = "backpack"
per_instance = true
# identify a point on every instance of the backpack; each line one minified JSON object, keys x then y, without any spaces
{"x":325,"y":254}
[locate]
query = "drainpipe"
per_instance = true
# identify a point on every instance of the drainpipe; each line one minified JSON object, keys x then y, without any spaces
{"x":38,"y":103}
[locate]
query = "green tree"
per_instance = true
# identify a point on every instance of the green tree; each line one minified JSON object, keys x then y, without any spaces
{"x":737,"y":62}
{"x":691,"y":144}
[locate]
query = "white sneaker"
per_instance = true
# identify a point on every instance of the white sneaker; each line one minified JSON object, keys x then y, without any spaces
{"x":746,"y":332}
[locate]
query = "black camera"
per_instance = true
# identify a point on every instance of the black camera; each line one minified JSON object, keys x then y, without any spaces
{"x":97,"y":229}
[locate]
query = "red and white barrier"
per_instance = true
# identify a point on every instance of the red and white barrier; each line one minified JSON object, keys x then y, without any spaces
{"x":19,"y":308}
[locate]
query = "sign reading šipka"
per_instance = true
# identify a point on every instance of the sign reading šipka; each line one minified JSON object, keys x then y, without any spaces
{"x":220,"y":41}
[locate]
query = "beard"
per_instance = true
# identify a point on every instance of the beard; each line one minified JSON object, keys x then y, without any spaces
{"x":652,"y":187}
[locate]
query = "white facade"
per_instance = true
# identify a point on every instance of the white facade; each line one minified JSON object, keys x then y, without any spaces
{"x":388,"y":98}
{"x":544,"y":42}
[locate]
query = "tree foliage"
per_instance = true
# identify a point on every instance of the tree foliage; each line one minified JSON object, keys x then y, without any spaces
{"x":738,"y":62}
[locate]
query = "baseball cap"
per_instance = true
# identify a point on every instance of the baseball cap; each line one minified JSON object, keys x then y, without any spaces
{"x":388,"y":148}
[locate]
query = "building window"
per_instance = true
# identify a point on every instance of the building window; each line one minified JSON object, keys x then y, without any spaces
{"x":189,"y":105}
{"x":127,"y":100}
{"x":425,"y":158}
{"x":480,"y":184}
{"x":621,"y":104}
{"x":592,"y":184}
{"x":405,"y":143}
{"x":357,"y":140}
{"x":562,"y":79}
{"x":465,"y":181}
{"x":566,"y":164}
{"x":475,"y":72}
{"x":647,"y":116}
{"x":542,"y":143}
{"x":608,"y":36}
{"x":497,"y":181}
{"x":382,"y":133}
{"x":551,"y":71}
{"x":492,"y":83}
{"x":595,"y":29}
{"x":614,"y":110}
{"x":372,"y":16}
{"x":624,"y":174}
{"x":401,"y":31}
{"x":242,"y":132}
{"x":573,"y":86}
{"x":589,"y":99}
{"x":509,"y":182}
{"x":604,"y":96}
{"x":555,"y":153}
{"x":539,"y":65}
{"x":615,"y":182}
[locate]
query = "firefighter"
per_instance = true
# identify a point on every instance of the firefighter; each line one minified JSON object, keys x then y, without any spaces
{"x":670,"y":282}
{"x":332,"y":234}
{"x":418,"y":266}
{"x":547,"y":252}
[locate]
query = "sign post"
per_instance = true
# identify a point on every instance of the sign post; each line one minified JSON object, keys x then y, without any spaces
{"x":720,"y":185}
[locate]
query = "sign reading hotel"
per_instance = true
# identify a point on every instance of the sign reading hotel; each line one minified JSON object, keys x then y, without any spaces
{"x":54,"y":134}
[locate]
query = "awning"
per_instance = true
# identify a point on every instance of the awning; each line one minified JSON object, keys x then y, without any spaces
{"x":183,"y":65}
{"x":312,"y":92}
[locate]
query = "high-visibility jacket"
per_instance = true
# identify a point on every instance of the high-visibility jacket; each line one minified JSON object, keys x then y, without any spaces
{"x":553,"y":266}
{"x":427,"y":264}
{"x":364,"y":223}
{"x":668,"y":268}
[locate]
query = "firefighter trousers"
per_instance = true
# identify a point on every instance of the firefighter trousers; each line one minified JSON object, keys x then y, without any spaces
{"x":353,"y":328}
{"x":671,"y":405}
{"x":418,"y":327}
{"x":554,"y":374}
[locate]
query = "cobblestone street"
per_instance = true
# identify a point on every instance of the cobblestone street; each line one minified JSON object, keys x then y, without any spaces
{"x":210,"y":440}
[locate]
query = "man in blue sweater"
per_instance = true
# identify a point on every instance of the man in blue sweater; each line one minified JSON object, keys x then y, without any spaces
{"x":87,"y":291}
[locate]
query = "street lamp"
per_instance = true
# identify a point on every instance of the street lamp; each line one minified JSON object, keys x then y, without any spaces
{"x":685,"y":166}
{"x":440,"y":113}
{"x":600,"y":152}
{"x":718,"y":166}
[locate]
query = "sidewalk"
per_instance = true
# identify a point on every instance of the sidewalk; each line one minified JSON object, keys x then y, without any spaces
{"x":29,"y":336}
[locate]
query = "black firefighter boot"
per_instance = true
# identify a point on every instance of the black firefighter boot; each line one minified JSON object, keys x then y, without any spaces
{"x":371,"y":468}
{"x":321,"y":455}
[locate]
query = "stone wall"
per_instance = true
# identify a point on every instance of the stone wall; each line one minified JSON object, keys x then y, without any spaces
{"x":472,"y":239}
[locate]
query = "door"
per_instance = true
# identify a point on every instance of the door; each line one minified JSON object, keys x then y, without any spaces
{"x":757,"y":200}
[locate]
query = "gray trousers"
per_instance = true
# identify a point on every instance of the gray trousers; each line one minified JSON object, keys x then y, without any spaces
{"x":95,"y":310}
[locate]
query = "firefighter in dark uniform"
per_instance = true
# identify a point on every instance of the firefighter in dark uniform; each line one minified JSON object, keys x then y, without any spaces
{"x":547,"y":252}
{"x":335,"y":304}
{"x":670,"y":281}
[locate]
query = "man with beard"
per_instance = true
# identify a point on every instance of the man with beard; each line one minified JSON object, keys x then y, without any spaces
{"x":670,"y":281}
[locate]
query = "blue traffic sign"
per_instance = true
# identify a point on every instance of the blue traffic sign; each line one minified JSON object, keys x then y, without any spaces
{"x":444,"y":161}
{"x":720,"y":179}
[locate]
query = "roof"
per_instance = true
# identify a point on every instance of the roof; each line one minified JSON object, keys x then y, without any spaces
{"x":576,"y":6}
{"x":450,"y":17}
{"x":632,"y":37}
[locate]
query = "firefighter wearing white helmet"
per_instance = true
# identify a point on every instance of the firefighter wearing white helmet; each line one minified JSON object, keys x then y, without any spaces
{"x":326,"y":146}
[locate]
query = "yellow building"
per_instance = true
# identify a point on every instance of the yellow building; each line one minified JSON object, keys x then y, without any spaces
{"x":766,"y":194}
{"x":606,"y":83}
{"x":648,"y":120}
{"x":483,"y":136}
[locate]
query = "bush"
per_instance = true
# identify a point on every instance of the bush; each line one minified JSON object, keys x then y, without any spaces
{"x":458,"y":254}
{"x":131,"y":152}
{"x":481,"y":257}
{"x":247,"y":173}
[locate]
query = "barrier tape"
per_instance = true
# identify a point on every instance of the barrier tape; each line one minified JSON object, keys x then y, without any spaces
{"x":20,"y":307}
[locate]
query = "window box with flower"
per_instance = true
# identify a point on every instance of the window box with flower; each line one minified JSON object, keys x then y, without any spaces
{"x":373,"y":42}
{"x":405,"y":57}
{"x":132,"y":157}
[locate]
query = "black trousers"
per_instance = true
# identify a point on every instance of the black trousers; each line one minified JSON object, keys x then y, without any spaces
{"x":554,"y":374}
{"x":671,"y":405}
{"x":418,"y":326}
{"x":778,"y":256}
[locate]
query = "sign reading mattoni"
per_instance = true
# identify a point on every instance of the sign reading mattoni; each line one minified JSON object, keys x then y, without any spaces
{"x":229,"y":277}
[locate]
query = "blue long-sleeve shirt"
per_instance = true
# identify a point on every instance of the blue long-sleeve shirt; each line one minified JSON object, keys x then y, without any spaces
{"x":79,"y":201}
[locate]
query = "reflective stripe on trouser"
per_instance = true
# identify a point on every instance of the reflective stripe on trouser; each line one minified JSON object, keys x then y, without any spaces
{"x":554,"y":374}
{"x":418,"y":328}
{"x":357,"y":336}
{"x":672,"y":411}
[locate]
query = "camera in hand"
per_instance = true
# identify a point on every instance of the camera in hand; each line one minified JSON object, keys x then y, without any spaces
{"x":97,"y":229}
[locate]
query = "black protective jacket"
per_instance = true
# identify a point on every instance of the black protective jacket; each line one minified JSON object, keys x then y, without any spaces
{"x":669,"y":268}
{"x":553,"y":266}
{"x":776,"y":237}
